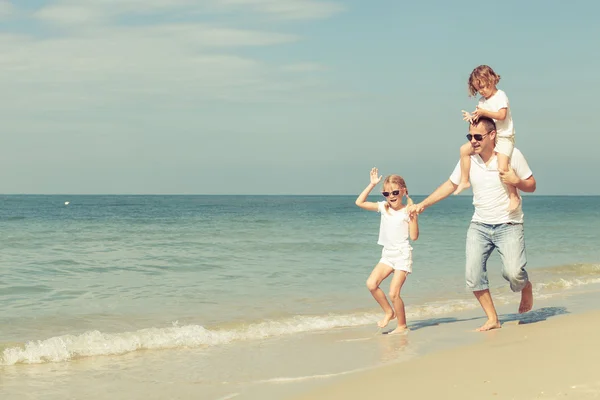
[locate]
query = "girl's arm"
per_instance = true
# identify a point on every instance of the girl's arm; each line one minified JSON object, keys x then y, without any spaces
{"x":413,"y":227}
{"x":361,"y":199}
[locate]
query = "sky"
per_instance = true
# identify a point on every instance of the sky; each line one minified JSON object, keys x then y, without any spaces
{"x":286,"y":96}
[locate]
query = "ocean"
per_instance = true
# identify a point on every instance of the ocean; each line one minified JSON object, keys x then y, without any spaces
{"x":218,"y":297}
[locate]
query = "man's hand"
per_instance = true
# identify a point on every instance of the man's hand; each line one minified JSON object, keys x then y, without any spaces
{"x":509,"y":177}
{"x":415,"y":209}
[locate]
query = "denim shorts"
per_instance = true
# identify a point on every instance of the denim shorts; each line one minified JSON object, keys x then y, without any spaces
{"x":509,"y":240}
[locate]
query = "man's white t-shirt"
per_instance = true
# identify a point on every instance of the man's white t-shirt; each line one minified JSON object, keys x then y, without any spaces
{"x":490,"y":196}
{"x":393,"y":230}
{"x":496,"y":103}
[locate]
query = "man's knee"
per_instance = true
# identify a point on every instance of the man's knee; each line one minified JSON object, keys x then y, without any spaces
{"x":517,"y":277}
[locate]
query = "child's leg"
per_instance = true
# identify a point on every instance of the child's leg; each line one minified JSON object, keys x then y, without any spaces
{"x":379,"y":273}
{"x":465,"y":167}
{"x":395,"y":287}
{"x":515,"y":200}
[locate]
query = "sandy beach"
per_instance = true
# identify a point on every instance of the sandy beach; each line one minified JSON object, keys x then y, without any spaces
{"x":553,"y":359}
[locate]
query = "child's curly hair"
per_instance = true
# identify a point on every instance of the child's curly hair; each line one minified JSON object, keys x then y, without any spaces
{"x":482,"y":76}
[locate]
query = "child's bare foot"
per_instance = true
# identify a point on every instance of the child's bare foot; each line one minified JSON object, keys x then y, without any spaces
{"x":489,"y":325}
{"x":386,"y":320}
{"x":515,"y":201}
{"x":462,"y":186}
{"x":401,"y":329}
{"x":526,"y":299}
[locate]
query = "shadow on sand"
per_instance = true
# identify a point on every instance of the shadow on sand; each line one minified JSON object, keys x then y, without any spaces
{"x":534,"y":316}
{"x":531,"y":317}
{"x":437,"y":321}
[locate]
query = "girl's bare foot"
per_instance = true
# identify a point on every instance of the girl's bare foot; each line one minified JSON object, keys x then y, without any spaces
{"x":386,"y":320}
{"x":489,"y":325}
{"x":401,"y":329}
{"x":514,"y":203}
{"x":462,"y":186}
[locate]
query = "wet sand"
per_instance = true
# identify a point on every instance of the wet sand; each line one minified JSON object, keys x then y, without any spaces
{"x":549,"y":359}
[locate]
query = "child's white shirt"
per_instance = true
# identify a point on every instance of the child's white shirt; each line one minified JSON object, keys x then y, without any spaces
{"x":495,"y":103}
{"x":393,"y":230}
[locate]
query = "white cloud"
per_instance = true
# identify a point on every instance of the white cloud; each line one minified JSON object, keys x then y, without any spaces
{"x":6,"y":9}
{"x":69,"y":14}
{"x":305,"y":67}
{"x":287,"y":9}
{"x":97,"y":62}
{"x":124,"y":67}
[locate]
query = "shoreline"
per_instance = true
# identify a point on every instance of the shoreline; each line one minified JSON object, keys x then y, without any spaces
{"x":525,"y":360}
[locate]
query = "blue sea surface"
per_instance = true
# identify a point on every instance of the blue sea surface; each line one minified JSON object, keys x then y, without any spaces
{"x":121,"y":264}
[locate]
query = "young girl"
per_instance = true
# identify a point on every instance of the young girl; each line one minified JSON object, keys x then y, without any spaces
{"x":492,"y":104}
{"x":396,"y":257}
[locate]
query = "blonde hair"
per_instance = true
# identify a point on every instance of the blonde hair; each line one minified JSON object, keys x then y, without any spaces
{"x":398,"y":180}
{"x":482,"y":76}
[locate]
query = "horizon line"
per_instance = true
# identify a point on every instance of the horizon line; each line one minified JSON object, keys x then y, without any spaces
{"x":259,"y":194}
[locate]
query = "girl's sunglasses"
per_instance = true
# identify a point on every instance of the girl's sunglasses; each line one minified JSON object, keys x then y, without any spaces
{"x":387,"y":194}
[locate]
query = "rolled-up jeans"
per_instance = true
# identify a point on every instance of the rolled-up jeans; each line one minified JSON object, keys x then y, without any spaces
{"x":509,"y":240}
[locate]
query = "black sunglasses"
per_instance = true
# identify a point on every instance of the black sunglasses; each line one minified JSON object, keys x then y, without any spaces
{"x":394,"y":192}
{"x":479,"y":137}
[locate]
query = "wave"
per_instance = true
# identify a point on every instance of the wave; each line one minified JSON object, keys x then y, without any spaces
{"x":95,"y":343}
{"x":572,"y":269}
{"x":567,"y":283}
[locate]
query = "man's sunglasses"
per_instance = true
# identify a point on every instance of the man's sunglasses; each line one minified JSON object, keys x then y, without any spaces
{"x":394,"y":192}
{"x":479,"y":137}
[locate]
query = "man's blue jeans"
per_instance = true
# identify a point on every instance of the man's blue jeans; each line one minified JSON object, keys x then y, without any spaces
{"x":509,"y":239}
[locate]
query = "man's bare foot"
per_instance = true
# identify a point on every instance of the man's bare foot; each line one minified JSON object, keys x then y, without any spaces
{"x":462,"y":186}
{"x":386,"y":320}
{"x":489,"y":325}
{"x":515,"y":201}
{"x":526,"y":298}
{"x":400,"y":329}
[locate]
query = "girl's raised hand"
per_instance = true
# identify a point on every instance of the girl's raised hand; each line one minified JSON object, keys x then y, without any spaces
{"x":478,"y":113}
{"x":375,"y":177}
{"x":467,"y":116}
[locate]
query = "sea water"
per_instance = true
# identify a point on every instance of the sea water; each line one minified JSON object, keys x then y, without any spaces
{"x":213,"y":295}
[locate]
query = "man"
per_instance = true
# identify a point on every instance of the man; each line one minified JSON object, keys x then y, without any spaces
{"x":492,"y":226}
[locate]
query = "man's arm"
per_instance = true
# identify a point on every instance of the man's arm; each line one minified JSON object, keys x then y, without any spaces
{"x":439,"y":194}
{"x":527,"y":185}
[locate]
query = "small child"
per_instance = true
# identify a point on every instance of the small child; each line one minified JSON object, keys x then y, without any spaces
{"x":394,"y":231}
{"x":492,"y":104}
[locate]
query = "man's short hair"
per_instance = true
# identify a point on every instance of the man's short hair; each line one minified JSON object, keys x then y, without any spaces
{"x":488,"y":123}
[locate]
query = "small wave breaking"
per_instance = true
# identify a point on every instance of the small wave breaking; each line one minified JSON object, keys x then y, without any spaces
{"x":95,"y":343}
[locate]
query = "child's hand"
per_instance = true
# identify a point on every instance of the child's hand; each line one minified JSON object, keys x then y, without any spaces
{"x":478,"y":113}
{"x":509,"y":177}
{"x":415,"y":209}
{"x":375,"y":177}
{"x":467,"y":116}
